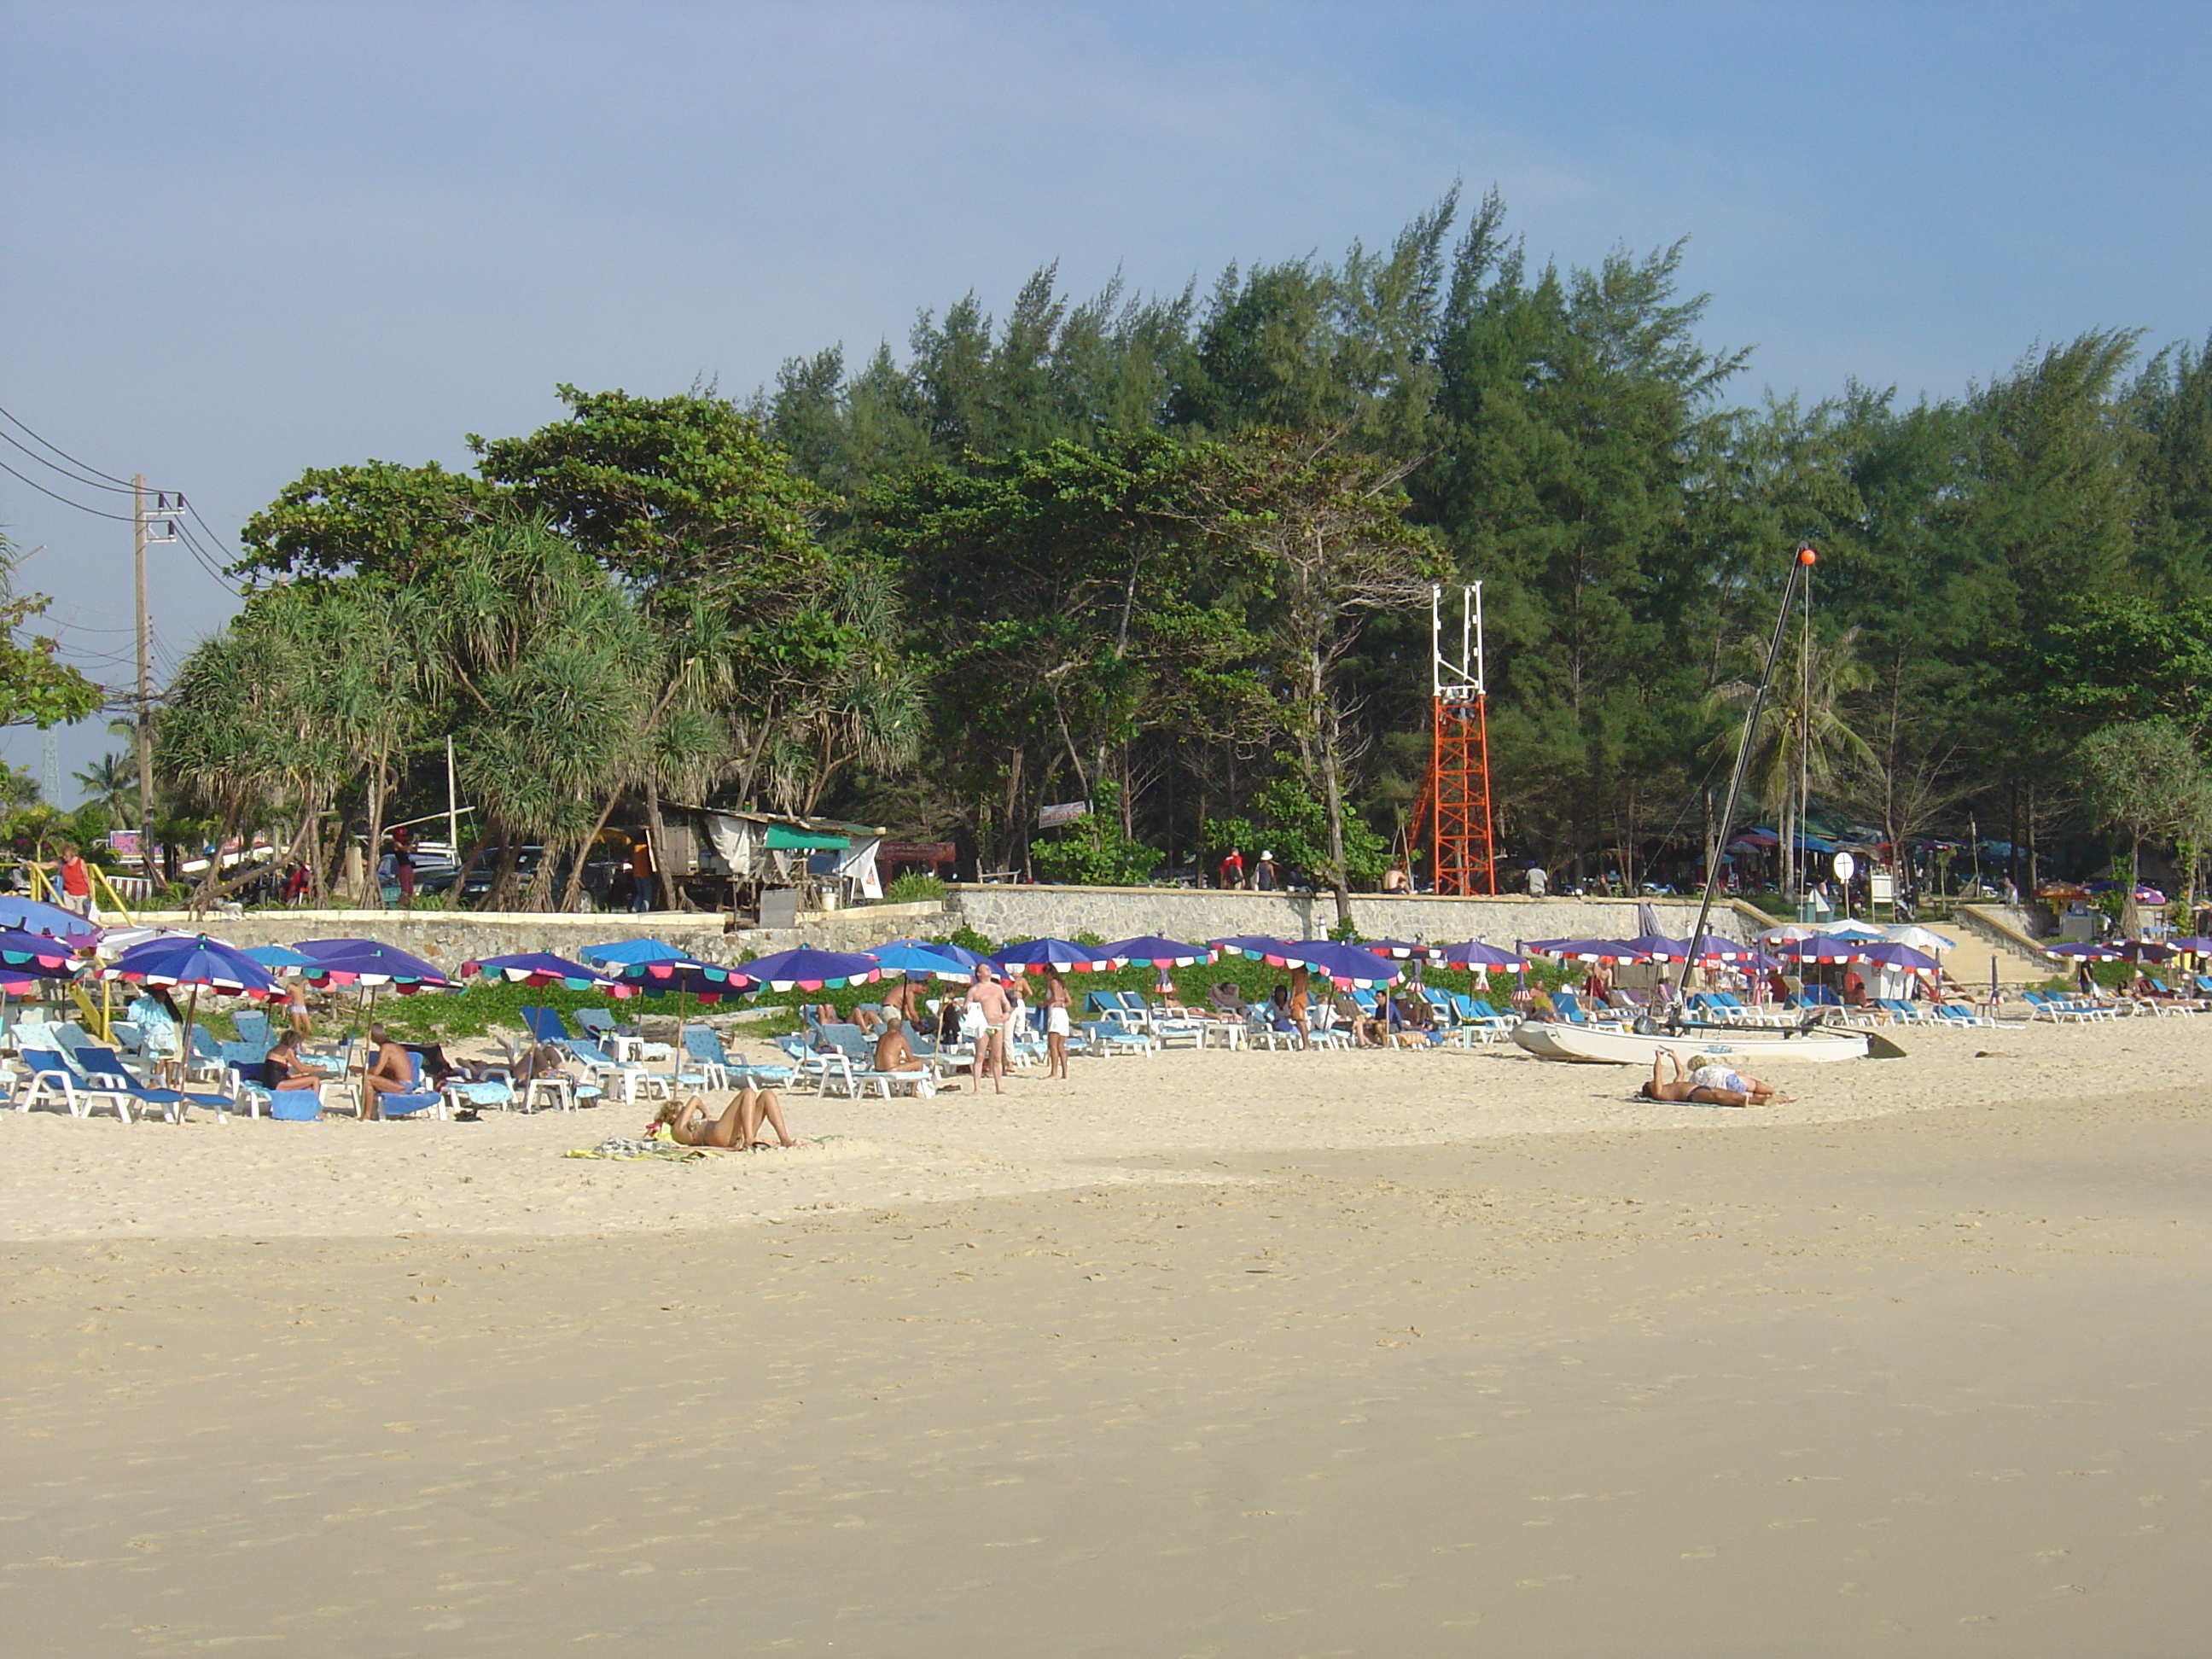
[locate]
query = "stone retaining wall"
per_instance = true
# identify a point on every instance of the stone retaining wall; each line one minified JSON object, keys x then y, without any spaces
{"x":1185,"y":913}
{"x":450,"y":937}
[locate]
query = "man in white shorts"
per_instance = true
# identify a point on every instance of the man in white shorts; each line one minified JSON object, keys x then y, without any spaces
{"x":1057,"y":1001}
{"x":984,"y":1023}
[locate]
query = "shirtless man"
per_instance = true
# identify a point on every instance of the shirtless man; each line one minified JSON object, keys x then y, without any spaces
{"x":390,"y":1072}
{"x":1709,"y":1083}
{"x":895,"y":1055}
{"x":988,"y":1003}
{"x":1057,"y":1003}
{"x":904,"y":999}
{"x":692,"y":1125}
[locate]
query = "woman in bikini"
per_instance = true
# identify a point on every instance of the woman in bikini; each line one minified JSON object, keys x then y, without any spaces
{"x":1709,"y":1084}
{"x":690,"y":1123}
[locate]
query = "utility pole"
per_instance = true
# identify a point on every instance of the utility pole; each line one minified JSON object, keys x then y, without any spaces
{"x":145,"y":676}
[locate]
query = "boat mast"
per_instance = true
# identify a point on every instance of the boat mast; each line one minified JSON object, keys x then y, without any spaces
{"x":1800,"y":568}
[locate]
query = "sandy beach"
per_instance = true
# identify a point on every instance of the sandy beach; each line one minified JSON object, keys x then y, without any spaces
{"x":1201,"y":1354}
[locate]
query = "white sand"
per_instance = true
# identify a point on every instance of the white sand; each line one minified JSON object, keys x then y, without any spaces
{"x":62,"y":1177}
{"x":1210,"y":1356}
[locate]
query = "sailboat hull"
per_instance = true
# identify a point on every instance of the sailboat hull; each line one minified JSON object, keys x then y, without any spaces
{"x":1751,"y":1048}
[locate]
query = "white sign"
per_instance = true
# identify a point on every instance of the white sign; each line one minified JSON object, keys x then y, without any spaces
{"x":1066,"y":812}
{"x":1845,"y":866}
{"x":1883,"y":888}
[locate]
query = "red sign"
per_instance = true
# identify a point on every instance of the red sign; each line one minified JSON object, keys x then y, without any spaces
{"x":916,"y":852}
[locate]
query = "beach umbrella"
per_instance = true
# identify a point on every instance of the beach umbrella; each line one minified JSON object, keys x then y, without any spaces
{"x":1345,"y":966}
{"x":1900,"y":955}
{"x":959,"y":954}
{"x":1150,"y":950}
{"x":630,"y":952}
{"x":277,"y":958}
{"x":1822,"y":948}
{"x":194,"y":963}
{"x":2088,"y":950}
{"x":1919,"y":937}
{"x":1258,"y":946}
{"x":919,"y":962}
{"x":1398,"y":950}
{"x":1851,"y":930}
{"x":368,"y":963}
{"x":805,"y":969}
{"x":701,"y":982}
{"x":1039,"y":954}
{"x":1657,"y":947}
{"x":542,"y":967}
{"x":2194,"y":945}
{"x":1589,"y":949}
{"x":28,"y":959}
{"x":32,"y":916}
{"x":1475,"y":954}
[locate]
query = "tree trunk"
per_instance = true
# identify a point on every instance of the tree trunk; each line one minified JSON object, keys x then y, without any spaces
{"x":378,"y":786}
{"x":576,"y":870}
{"x":654,"y":839}
{"x":1333,"y":802}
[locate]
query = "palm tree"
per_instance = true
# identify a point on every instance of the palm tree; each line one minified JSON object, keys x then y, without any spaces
{"x":1802,"y":740}
{"x":111,"y":783}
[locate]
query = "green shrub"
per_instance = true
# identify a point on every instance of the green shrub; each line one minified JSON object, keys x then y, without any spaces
{"x":914,"y":888}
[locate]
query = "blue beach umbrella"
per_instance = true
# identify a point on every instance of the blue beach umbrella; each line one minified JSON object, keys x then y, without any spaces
{"x":33,"y":915}
{"x":1150,"y":949}
{"x":1345,"y":966}
{"x":542,"y":967}
{"x":631,"y":953}
{"x":1475,"y":954}
{"x":959,"y":954}
{"x":279,"y":958}
{"x":1038,"y":954}
{"x":368,"y":963}
{"x":1258,"y":946}
{"x":195,"y":963}
{"x":27,"y":958}
{"x":805,"y":969}
{"x":919,"y":962}
{"x":686,"y":977}
{"x":1398,"y":951}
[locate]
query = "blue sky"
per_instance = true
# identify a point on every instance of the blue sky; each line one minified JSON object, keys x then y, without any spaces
{"x":237,"y":240}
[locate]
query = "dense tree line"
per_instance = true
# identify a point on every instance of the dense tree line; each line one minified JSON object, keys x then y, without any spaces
{"x":1171,"y":554}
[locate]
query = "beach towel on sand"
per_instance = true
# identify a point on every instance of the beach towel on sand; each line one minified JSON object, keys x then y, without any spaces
{"x":668,"y":1151}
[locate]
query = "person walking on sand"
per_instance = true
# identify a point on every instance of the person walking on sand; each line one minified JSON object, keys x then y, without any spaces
{"x":1057,"y":1003}
{"x":988,"y":1011}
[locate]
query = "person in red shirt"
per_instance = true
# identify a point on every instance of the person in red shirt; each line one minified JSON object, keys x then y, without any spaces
{"x":1233,"y":869}
{"x":76,"y":880}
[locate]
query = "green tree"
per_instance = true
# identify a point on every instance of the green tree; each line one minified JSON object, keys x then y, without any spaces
{"x":2145,"y":778}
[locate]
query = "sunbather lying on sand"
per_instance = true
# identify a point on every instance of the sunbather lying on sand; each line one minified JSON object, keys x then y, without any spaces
{"x":693,"y":1125}
{"x":1709,"y":1084}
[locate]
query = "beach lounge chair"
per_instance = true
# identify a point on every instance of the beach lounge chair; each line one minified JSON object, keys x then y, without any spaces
{"x":416,"y":1100}
{"x":52,"y":1078}
{"x":104,"y":1069}
{"x":614,"y":1073}
{"x":1112,"y":1037}
{"x":252,"y":1025}
{"x":623,"y":1041}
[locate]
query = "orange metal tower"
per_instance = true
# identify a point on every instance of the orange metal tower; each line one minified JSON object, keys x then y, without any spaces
{"x":1462,"y":841}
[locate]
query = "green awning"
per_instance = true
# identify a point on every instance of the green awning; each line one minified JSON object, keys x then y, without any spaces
{"x":784,"y":840}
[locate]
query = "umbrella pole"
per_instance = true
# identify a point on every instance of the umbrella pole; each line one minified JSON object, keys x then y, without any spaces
{"x":184,"y":1054}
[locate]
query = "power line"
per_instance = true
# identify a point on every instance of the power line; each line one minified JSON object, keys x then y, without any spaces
{"x":122,"y":484}
{"x":119,"y":518}
{"x":89,"y":483}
